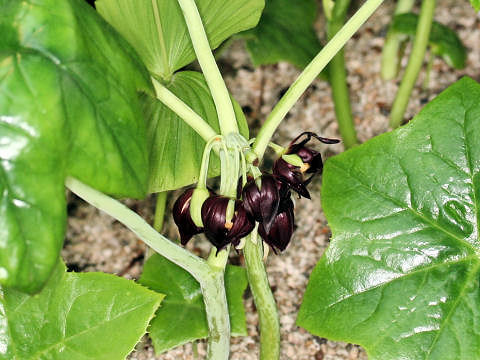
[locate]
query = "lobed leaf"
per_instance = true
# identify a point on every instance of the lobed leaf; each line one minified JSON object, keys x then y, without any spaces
{"x":182,"y":317}
{"x":401,"y":275}
{"x":443,"y":41}
{"x":157,"y":29}
{"x":175,"y":149}
{"x":76,"y":316}
{"x":285,"y":33}
{"x":68,"y":106}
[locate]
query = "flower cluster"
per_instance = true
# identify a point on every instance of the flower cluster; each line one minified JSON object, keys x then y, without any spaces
{"x":265,"y":199}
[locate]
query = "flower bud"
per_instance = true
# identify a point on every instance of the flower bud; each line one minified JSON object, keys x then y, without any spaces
{"x":282,"y":228}
{"x":262,"y":203}
{"x":218,"y":229}
{"x":198,"y":198}
{"x":183,"y":219}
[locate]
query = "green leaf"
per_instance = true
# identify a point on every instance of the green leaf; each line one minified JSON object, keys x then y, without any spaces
{"x":475,"y":4}
{"x":401,"y":276}
{"x":182,"y":317}
{"x":68,"y":106}
{"x":175,"y":149}
{"x":76,"y":316}
{"x":285,"y":33}
{"x":157,"y":29}
{"x":444,"y":42}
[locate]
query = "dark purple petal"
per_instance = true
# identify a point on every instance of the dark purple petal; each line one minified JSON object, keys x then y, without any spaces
{"x":291,"y":176}
{"x":282,"y":228}
{"x":216,"y":229}
{"x":309,"y":156}
{"x":183,"y":219}
{"x":262,"y":204}
{"x":243,"y":224}
{"x":214,"y":211}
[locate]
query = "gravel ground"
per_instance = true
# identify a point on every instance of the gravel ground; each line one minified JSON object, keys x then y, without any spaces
{"x":96,"y":242}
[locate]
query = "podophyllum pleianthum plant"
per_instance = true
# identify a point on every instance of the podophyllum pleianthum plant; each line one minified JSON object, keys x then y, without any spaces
{"x":96,"y":102}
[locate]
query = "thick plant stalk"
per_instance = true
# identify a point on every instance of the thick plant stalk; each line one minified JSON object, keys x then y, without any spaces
{"x":263,"y":297}
{"x":415,"y":62}
{"x":216,"y":307}
{"x":186,"y":113}
{"x":309,"y":74}
{"x":338,"y":79}
{"x":221,"y":97}
{"x":393,"y":44}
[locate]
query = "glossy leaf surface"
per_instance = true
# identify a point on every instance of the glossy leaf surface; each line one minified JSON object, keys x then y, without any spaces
{"x":285,"y":33}
{"x":175,"y":149}
{"x":157,"y":29}
{"x":443,"y":41}
{"x":68,"y":106}
{"x":401,"y":276}
{"x":76,"y":316}
{"x":182,"y":317}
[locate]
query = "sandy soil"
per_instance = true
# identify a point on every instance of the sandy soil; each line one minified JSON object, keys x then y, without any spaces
{"x":95,"y":242}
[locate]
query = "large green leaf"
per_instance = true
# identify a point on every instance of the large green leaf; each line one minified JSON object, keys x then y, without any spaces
{"x":175,"y":149}
{"x":443,"y":40}
{"x":157,"y":29}
{"x":401,"y":276}
{"x":285,"y":33}
{"x":68,"y":106}
{"x":76,"y":316}
{"x":182,"y":317}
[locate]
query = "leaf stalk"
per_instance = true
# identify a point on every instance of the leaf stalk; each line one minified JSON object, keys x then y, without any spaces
{"x":310,"y":73}
{"x":221,"y":97}
{"x":263,"y":297}
{"x":415,"y":63}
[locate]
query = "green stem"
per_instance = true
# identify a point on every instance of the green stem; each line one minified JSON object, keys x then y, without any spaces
{"x":210,"y":278}
{"x":160,"y":210}
{"x":183,"y":111}
{"x":310,"y":73}
{"x":338,"y":79}
{"x":263,"y":297}
{"x":391,"y":53}
{"x":415,"y":62}
{"x":221,"y":97}
{"x":216,"y":307}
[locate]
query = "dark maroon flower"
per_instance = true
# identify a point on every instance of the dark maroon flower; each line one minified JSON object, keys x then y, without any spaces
{"x":183,"y":219}
{"x":262,"y":203}
{"x":311,"y":158}
{"x":292,"y":176}
{"x":282,"y":228}
{"x":217,"y":229}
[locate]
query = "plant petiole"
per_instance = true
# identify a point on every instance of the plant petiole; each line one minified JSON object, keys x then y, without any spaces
{"x":200,"y":126}
{"x":310,"y":73}
{"x":415,"y":63}
{"x":220,"y":94}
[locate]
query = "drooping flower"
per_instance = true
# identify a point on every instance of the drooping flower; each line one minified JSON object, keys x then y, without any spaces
{"x":311,"y":158}
{"x":183,"y":219}
{"x":218,"y":230}
{"x":308,"y":161}
{"x":282,"y":228}
{"x":262,"y":203}
{"x":292,"y":176}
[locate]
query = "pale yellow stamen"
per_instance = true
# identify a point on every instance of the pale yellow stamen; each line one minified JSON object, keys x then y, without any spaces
{"x":304,"y":167}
